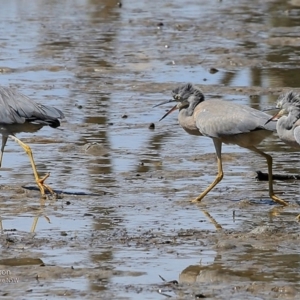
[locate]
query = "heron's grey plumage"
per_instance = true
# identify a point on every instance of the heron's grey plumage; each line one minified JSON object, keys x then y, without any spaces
{"x":224,"y":122}
{"x":18,"y":114}
{"x":16,"y":108}
{"x":288,"y":126}
{"x":216,"y":118}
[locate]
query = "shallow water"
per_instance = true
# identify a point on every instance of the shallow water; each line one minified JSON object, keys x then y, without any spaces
{"x":124,"y":217}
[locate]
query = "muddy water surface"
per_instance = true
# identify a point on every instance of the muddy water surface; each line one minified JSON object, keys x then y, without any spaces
{"x":123,"y":218}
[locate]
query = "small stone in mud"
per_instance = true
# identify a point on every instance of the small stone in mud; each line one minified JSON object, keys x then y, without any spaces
{"x":151,"y":126}
{"x":63,"y":233}
{"x":264,"y":229}
{"x":9,"y":240}
{"x":68,"y":203}
{"x":88,"y":215}
{"x":200,"y":296}
{"x":94,"y":149}
{"x":124,"y":116}
{"x":78,"y":106}
{"x":213,"y":70}
{"x":166,"y":46}
{"x":160,"y":24}
{"x":5,"y":70}
{"x":204,"y":79}
{"x":289,"y":290}
{"x":170,"y":63}
{"x":225,"y":245}
{"x":119,"y":4}
{"x":167,"y":242}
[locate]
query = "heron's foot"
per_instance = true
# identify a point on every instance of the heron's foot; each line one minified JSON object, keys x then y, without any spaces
{"x":42,"y":186}
{"x":197,"y":199}
{"x":278,"y":200}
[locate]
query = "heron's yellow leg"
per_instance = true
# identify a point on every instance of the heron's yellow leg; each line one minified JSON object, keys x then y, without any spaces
{"x":270,"y":171}
{"x":4,"y":140}
{"x":213,"y":184}
{"x":39,"y":181}
{"x":218,"y":146}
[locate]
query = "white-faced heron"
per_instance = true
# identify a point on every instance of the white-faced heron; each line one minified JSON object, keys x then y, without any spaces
{"x":18,"y":114}
{"x":224,"y":122}
{"x":288,"y":125}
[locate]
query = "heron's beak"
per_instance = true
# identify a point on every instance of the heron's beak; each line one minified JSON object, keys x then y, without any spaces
{"x":165,"y":102}
{"x":171,"y":110}
{"x":276,"y":116}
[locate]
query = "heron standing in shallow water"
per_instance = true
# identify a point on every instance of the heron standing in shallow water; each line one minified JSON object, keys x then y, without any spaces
{"x":288,"y":127}
{"x":224,"y":122}
{"x":18,"y":114}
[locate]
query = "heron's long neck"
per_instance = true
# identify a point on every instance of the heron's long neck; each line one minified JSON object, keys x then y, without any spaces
{"x":187,"y":122}
{"x":285,"y":130}
{"x":287,"y":122}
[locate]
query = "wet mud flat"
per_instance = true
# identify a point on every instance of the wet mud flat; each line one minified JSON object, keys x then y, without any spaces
{"x":125,"y":259}
{"x":123,"y":226}
{"x":113,"y":244}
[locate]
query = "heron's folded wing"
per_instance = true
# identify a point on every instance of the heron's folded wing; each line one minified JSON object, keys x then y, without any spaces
{"x":217,"y":118}
{"x":17,"y":108}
